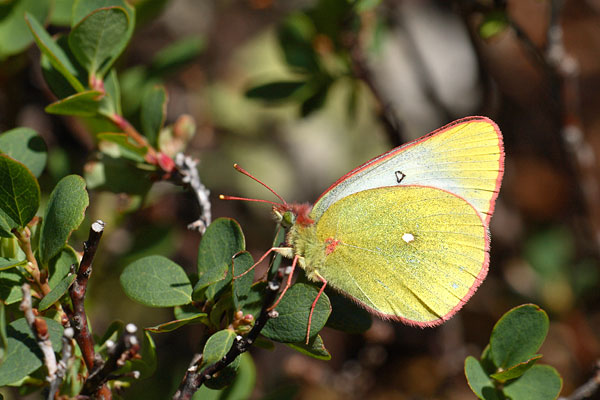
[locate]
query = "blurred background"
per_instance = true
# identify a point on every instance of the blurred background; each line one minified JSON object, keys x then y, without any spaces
{"x":299,"y":94}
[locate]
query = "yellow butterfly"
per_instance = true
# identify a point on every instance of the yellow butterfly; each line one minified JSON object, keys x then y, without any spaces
{"x":404,"y":235}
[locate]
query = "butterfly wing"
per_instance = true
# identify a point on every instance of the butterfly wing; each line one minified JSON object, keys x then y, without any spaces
{"x":465,"y":157}
{"x":410,"y":253}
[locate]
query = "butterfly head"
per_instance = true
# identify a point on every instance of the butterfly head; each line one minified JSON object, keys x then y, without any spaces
{"x":290,"y":214}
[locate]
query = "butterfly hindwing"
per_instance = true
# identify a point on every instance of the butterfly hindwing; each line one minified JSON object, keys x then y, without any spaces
{"x":410,"y":253}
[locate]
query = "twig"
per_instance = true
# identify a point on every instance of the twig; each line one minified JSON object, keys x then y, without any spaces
{"x":193,"y":378}
{"x":587,"y":389}
{"x":126,"y":348}
{"x":40,"y":331}
{"x":187,"y":176}
{"x":77,"y":292}
{"x":61,"y":371}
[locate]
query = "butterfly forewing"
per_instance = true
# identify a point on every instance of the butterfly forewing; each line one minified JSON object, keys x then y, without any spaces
{"x":465,"y":158}
{"x":407,"y":252}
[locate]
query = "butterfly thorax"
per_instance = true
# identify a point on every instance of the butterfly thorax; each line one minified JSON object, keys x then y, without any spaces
{"x":305,"y":244}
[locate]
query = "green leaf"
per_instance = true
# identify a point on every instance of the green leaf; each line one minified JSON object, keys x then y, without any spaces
{"x":185,"y":311}
{"x":222,"y":308}
{"x":494,"y":22}
{"x":518,"y":335}
{"x":276,"y":91}
{"x":516,"y":370}
{"x":153,"y":112}
{"x":316,"y":101}
{"x":59,"y":84}
{"x":486,"y":360}
{"x":176,"y":55}
{"x":346,"y":315}
{"x":172,"y":325}
{"x":241,"y":388}
{"x":64,"y":213}
{"x":217,"y":346}
{"x":295,"y":38}
{"x":56,"y":55}
{"x":315,"y":348}
{"x":540,"y":382}
{"x":15,"y":36}
{"x":26,"y":146}
{"x":221,"y":241}
{"x":156,"y":281}
{"x":84,"y":104}
{"x":99,"y":38}
{"x":241,"y":286}
{"x":10,"y":286}
{"x":8,"y":263}
{"x":117,"y":175}
{"x":58,"y":292}
{"x":127,"y":147}
{"x":253,"y":302}
{"x":479,"y":382}
{"x":215,"y":349}
{"x":23,"y":355}
{"x":20,"y":194}
{"x":60,"y":265}
{"x":294,"y":309}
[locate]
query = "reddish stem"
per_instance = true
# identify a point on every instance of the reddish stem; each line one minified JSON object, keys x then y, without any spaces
{"x":77,"y":292}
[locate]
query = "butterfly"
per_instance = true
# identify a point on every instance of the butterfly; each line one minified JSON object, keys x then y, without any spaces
{"x":406,"y":234}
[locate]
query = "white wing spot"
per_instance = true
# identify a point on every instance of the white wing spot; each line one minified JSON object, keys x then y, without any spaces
{"x":454,"y":285}
{"x":408,"y":237}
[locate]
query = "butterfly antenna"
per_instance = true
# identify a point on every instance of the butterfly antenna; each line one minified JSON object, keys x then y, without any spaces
{"x":226,"y":197}
{"x":249,"y":175}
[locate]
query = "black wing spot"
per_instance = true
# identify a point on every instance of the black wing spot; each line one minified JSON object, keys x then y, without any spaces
{"x":399,"y":176}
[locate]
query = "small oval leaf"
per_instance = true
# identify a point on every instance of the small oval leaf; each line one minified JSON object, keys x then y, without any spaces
{"x":156,"y":281}
{"x":518,"y":335}
{"x":172,"y":325}
{"x":84,"y":104}
{"x":216,"y":347}
{"x":23,"y":355}
{"x":26,"y":146}
{"x":64,"y":213}
{"x":540,"y":382}
{"x":221,"y":241}
{"x":58,"y":292}
{"x":153,"y":112}
{"x":98,"y":39}
{"x":516,"y":370}
{"x":20,"y":194}
{"x":294,"y":310}
{"x":479,"y":382}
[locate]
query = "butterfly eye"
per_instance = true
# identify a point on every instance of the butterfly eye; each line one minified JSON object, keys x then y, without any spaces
{"x":288,"y":219}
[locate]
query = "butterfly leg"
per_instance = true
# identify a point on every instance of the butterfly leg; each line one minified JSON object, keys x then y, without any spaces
{"x":287,"y":284}
{"x":253,"y":266}
{"x":314,"y":304}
